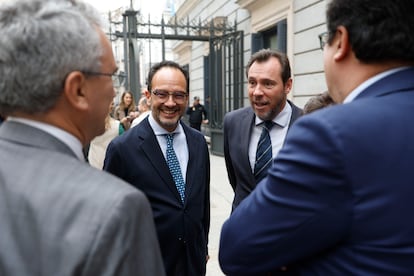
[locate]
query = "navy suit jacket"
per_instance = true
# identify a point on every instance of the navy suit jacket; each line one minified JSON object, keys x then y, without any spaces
{"x":238,"y":126}
{"x":182,"y":230}
{"x":338,"y":198}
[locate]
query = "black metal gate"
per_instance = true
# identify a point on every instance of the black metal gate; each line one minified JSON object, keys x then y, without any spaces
{"x":224,"y":66}
{"x":226,"y":83}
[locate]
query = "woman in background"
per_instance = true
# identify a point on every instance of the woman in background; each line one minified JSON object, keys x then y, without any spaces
{"x":125,"y":112}
{"x":97,"y":147}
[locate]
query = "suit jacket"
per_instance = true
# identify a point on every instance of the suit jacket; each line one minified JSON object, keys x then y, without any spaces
{"x":238,"y":126}
{"x":59,"y":216}
{"x":182,"y":228}
{"x":338,"y":199}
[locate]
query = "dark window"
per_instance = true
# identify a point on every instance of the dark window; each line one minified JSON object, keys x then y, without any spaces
{"x":273,"y":38}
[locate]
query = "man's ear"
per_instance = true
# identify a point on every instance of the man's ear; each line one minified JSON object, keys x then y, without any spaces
{"x":341,"y":43}
{"x":288,"y":85}
{"x":75,"y":90}
{"x":147,"y":94}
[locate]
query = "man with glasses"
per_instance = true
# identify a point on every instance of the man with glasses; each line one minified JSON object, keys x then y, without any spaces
{"x":60,"y":216}
{"x":338,"y":199}
{"x":169,"y":161}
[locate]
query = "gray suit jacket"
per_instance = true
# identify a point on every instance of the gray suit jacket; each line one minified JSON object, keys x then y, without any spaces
{"x":238,"y":125}
{"x":60,"y":216}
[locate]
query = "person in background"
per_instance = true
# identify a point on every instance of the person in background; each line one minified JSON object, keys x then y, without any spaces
{"x":144,"y":109}
{"x":125,"y":111}
{"x":269,"y":82}
{"x":97,"y":147}
{"x":197,"y":114}
{"x":60,"y":216}
{"x":338,"y":198}
{"x":317,"y":102}
{"x":170,"y":162}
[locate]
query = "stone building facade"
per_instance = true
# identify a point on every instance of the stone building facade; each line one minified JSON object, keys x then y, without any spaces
{"x":291,"y":26}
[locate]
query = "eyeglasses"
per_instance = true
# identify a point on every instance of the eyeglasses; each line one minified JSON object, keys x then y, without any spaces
{"x":178,"y":96}
{"x":113,"y":75}
{"x":323,"y":39}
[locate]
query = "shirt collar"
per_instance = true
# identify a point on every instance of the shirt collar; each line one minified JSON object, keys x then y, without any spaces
{"x":158,"y":130}
{"x":70,"y":140}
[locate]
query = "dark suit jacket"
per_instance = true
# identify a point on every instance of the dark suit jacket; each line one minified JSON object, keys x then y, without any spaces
{"x":338,"y":199}
{"x":60,"y":216}
{"x":238,"y":126}
{"x":182,"y":229}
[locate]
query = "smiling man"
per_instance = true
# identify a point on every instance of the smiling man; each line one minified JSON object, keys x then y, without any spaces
{"x":270,"y":114}
{"x":169,"y":161}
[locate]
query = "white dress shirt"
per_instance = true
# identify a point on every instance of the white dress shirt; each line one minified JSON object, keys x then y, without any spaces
{"x":277,"y":133}
{"x":179,"y":143}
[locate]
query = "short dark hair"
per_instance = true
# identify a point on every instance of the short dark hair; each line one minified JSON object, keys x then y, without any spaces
{"x":166,"y":63}
{"x":265,"y":55}
{"x":379,"y":30}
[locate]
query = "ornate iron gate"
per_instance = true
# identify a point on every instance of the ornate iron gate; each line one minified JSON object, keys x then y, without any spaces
{"x":224,"y":86}
{"x":226,"y":83}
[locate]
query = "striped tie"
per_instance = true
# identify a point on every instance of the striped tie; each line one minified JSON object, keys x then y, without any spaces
{"x":263,"y":153}
{"x":174,"y":166}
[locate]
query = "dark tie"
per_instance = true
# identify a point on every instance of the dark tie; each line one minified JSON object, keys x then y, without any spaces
{"x":174,"y":166}
{"x":263,"y":153}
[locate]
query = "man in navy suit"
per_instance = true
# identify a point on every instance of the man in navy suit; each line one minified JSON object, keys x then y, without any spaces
{"x":139,"y":156}
{"x":269,"y":83}
{"x":338,"y":199}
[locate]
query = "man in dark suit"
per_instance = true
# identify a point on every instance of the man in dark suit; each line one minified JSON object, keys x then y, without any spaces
{"x":180,"y":198}
{"x":60,"y":216}
{"x":338,"y":198}
{"x":269,"y":83}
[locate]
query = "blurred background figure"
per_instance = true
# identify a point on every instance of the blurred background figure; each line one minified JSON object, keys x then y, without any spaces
{"x":144,"y":108}
{"x":197,"y":114}
{"x":98,"y":145}
{"x":125,"y":112}
{"x":318,"y":102}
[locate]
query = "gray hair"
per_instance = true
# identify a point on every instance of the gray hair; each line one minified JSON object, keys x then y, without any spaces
{"x":41,"y":42}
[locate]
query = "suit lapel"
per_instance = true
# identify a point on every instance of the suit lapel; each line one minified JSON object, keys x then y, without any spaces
{"x":245,"y":125}
{"x":194,"y":148}
{"x":296,"y":113}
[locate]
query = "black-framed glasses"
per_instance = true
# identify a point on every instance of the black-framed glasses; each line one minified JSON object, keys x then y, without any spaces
{"x":323,"y":39}
{"x":163,"y":95}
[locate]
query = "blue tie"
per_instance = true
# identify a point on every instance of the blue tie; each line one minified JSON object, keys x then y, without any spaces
{"x":174,"y":166}
{"x":263,"y":153}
